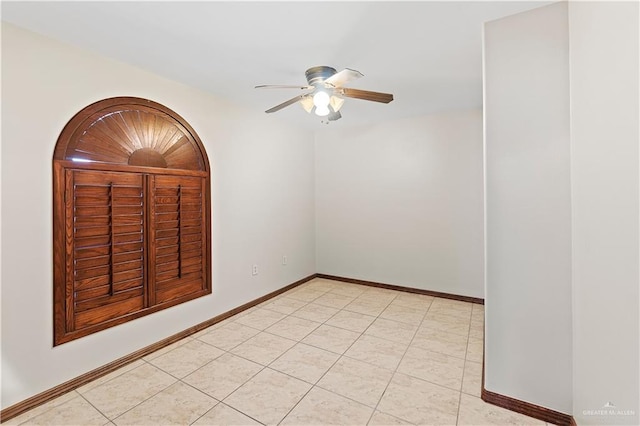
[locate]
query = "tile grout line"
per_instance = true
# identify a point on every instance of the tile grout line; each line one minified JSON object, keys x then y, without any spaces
{"x":345,"y":356}
{"x":228,"y":406}
{"x":112,"y":419}
{"x":218,"y":402}
{"x":463,"y":369}
{"x":267,"y":366}
{"x":43,"y":412}
{"x":378,"y":316}
{"x":314,"y":385}
{"x":418,"y":328}
{"x":321,"y":323}
{"x":332,"y":365}
{"x":398,"y":365}
{"x":145,"y":361}
{"x":254,"y":309}
{"x":95,"y":408}
{"x":144,"y":400}
{"x":204,"y":365}
{"x":340,"y":297}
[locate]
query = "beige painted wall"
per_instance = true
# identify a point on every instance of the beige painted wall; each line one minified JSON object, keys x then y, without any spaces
{"x":605,"y":134}
{"x":528,"y":350}
{"x":400,"y":202}
{"x":562,"y":130}
{"x":262,"y":193}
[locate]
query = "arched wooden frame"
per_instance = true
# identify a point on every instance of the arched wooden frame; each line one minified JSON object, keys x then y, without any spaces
{"x":131,"y":216}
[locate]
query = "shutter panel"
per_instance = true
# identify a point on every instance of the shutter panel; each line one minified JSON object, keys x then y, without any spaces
{"x":177,"y":237}
{"x":119,"y":166}
{"x":106,"y":248}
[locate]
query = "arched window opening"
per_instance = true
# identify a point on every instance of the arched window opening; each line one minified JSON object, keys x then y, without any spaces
{"x":131,"y":220}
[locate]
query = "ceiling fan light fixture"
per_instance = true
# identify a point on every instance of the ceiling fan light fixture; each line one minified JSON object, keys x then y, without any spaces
{"x":334,"y":116}
{"x":322,"y":111}
{"x":307,"y":103}
{"x":321,"y":100}
{"x":327,"y":94}
{"x":336,"y":103}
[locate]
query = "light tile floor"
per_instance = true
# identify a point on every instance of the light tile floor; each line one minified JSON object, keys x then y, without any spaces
{"x":324,"y":353}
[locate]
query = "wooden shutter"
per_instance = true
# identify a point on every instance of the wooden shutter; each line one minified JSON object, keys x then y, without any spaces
{"x":105,"y":262}
{"x":131,"y":216}
{"x":177,"y":237}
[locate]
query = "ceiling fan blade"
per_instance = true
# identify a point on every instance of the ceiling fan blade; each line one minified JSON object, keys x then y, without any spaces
{"x":340,"y":78}
{"x":287,"y":103}
{"x":367,"y":95}
{"x":282,"y":86}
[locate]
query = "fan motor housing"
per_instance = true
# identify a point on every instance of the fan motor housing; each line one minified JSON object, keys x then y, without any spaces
{"x":317,"y":75}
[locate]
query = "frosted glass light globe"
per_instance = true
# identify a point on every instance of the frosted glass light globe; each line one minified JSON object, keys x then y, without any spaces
{"x":321,"y":100}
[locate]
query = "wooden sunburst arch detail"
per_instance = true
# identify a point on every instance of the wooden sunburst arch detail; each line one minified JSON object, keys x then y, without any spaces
{"x":131,"y":216}
{"x":131,"y":131}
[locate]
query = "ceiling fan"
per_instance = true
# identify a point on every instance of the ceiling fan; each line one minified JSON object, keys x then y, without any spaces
{"x":327,"y":92}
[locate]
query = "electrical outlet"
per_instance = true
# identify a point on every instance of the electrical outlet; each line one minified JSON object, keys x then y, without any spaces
{"x":254,"y":270}
{"x":284,"y":259}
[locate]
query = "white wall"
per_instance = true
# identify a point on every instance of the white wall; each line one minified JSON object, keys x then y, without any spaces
{"x":400,"y":202}
{"x":528,"y":350}
{"x":604,"y":171}
{"x":262,"y":193}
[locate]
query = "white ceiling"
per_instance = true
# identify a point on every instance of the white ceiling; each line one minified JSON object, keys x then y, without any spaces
{"x":428,"y":54}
